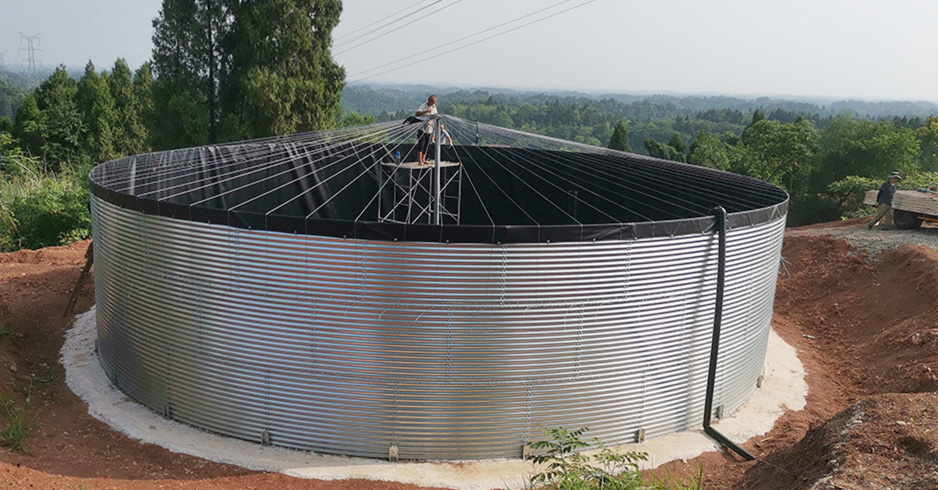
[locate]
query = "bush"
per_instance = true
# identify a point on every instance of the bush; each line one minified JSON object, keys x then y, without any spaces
{"x":569,"y":469}
{"x":39,"y":208}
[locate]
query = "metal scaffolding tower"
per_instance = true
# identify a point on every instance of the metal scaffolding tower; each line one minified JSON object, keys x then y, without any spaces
{"x":421,"y":193}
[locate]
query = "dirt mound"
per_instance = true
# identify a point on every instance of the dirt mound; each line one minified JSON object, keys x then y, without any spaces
{"x":886,"y":441}
{"x":882,"y":314}
{"x":863,"y":327}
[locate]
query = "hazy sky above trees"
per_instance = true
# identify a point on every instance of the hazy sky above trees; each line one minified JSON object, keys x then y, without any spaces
{"x":880,"y":49}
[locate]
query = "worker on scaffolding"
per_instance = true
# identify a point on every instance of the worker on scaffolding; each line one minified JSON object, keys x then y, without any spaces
{"x":444,"y":135}
{"x":428,"y":108}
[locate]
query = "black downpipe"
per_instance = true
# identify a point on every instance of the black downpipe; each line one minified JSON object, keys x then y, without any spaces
{"x":720,"y":216}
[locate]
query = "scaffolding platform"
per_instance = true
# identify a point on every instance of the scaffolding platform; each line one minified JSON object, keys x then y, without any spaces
{"x":408,"y":187}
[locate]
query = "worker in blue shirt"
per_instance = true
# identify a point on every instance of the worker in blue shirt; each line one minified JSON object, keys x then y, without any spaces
{"x":884,"y":202}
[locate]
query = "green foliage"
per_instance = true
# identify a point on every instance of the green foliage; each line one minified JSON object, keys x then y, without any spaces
{"x":16,"y":430}
{"x":11,"y":97}
{"x":677,"y":143}
{"x":849,"y":192}
{"x":659,"y":150}
{"x":283,"y":77}
{"x":239,"y":70}
{"x":96,"y":106}
{"x":144,"y":97}
{"x":49,"y":124}
{"x":928,"y":135}
{"x":189,"y":60}
{"x":130,"y":104}
{"x":757,"y":116}
{"x":356,"y":119}
{"x":39,"y":208}
{"x":568,"y":468}
{"x":864,"y":148}
{"x":709,"y":151}
{"x":780,"y":153}
{"x":565,"y":467}
{"x":620,"y":138}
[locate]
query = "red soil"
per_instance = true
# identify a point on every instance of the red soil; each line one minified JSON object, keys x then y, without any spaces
{"x":871,"y":419}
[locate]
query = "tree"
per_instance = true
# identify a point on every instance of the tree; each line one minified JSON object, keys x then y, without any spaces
{"x":620,"y":138}
{"x":143,"y":89}
{"x":10,"y":99}
{"x":189,"y":64}
{"x":93,"y":100}
{"x":51,"y":125}
{"x":709,"y":151}
{"x":659,"y":150}
{"x":928,"y":135}
{"x":780,"y":153}
{"x":863,"y":148}
{"x":757,"y":116}
{"x":356,"y":119}
{"x":677,"y":143}
{"x":28,"y":126}
{"x":237,"y":69}
{"x":283,"y":78}
{"x":130,"y":134}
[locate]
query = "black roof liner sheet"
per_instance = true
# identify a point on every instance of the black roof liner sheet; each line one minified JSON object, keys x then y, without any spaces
{"x":509,"y":195}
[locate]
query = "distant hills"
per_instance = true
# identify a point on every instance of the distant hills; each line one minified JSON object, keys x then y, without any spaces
{"x":376,"y":99}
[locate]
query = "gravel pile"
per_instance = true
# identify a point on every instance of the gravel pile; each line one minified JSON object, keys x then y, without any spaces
{"x":878,"y":240}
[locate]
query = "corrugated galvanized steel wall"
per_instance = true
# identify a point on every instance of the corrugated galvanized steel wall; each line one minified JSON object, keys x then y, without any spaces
{"x":447,"y":351}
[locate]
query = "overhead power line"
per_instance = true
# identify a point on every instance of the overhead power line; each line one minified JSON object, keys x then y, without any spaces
{"x":441,"y":46}
{"x":347,"y":34}
{"x":469,"y":44}
{"x":405,"y":26}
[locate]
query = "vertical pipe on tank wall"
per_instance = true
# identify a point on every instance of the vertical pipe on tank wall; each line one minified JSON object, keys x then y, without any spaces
{"x":720,"y":221}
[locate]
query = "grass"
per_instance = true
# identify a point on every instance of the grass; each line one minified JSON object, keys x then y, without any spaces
{"x":4,"y":333}
{"x":17,"y":429}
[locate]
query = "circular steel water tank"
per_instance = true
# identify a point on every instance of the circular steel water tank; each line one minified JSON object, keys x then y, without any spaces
{"x":453,"y":341}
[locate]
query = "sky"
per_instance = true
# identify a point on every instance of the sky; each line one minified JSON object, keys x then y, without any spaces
{"x":868,"y":49}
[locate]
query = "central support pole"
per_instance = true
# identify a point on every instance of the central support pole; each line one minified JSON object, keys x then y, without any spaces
{"x":437,"y":131}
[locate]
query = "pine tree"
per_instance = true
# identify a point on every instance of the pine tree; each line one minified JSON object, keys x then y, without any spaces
{"x":94,"y":102}
{"x":757,"y":116}
{"x":677,"y":143}
{"x":143,"y":94}
{"x":620,"y":138}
